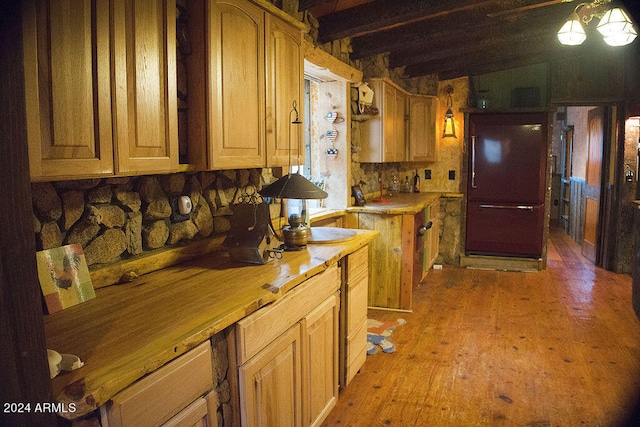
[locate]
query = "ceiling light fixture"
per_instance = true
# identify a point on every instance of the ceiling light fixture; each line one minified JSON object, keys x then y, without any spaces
{"x":615,"y":25}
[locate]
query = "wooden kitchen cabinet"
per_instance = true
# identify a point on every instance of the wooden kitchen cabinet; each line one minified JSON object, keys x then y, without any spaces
{"x":432,"y":237}
{"x":171,"y":395}
{"x":251,"y":71}
{"x":271,"y":383}
{"x":287,"y":356}
{"x":403,"y":130}
{"x":383,"y":135}
{"x":320,"y":361}
{"x":285,"y":84}
{"x":390,"y":259}
{"x":68,"y":88}
{"x":422,"y":141}
{"x":354,"y":314}
{"x":403,"y":254}
{"x":427,"y":235}
{"x":194,"y":415}
{"x":146,"y":111}
{"x":100,"y":100}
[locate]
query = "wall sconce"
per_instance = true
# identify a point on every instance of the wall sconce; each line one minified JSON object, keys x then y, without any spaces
{"x":615,"y":25}
{"x":616,"y":28}
{"x":449,"y":128}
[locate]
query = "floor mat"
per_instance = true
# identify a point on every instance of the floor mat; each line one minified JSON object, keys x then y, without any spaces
{"x":379,"y":334}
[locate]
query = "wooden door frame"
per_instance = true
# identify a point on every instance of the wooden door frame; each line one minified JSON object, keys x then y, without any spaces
{"x":565,"y":177}
{"x":25,"y":373}
{"x":611,"y":177}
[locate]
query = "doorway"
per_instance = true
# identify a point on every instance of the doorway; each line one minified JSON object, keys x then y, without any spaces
{"x":585,"y":147}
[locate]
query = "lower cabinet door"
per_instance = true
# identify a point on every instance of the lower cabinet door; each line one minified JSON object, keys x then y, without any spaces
{"x":355,"y":351}
{"x":270,"y":383}
{"x":320,"y":361}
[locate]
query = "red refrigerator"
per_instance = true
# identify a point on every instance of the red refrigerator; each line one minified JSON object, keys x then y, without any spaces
{"x":506,"y":181}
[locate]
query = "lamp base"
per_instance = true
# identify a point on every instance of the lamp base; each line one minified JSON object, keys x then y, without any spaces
{"x":295,"y":238}
{"x":294,"y":248}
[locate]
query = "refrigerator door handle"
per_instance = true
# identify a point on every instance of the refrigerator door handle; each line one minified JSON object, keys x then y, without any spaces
{"x":521,"y":207}
{"x":473,"y":162}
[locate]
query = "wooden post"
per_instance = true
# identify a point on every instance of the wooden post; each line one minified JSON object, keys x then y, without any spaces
{"x":24,"y":376}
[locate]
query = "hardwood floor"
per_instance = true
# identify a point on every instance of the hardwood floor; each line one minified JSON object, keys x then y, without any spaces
{"x":559,"y":347}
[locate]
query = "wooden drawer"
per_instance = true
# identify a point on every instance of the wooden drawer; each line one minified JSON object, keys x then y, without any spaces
{"x":257,"y":330}
{"x":160,"y":395}
{"x":356,"y":351}
{"x":358,"y":267}
{"x":357,"y":306}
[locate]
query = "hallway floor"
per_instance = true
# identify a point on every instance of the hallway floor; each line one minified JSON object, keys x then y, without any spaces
{"x":559,"y":347}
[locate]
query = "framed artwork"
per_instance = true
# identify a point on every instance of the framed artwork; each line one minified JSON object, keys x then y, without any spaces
{"x":64,"y":277}
{"x":358,"y":195}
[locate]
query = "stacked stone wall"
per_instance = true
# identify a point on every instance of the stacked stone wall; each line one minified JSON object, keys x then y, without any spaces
{"x":122,"y":217}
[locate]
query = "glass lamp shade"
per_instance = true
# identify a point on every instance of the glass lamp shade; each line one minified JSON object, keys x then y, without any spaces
{"x":572,"y":33}
{"x":449,"y":127}
{"x":616,"y":28}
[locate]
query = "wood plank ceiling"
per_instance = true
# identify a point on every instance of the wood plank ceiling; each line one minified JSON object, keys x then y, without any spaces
{"x":455,"y":38}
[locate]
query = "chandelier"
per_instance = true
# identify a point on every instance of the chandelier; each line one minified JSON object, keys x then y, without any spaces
{"x":615,"y":25}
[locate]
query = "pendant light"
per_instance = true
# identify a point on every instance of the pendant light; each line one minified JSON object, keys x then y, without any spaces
{"x":449,"y":126}
{"x":293,"y":185}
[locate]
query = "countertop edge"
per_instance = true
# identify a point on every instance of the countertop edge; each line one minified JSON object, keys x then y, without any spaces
{"x":401,"y":204}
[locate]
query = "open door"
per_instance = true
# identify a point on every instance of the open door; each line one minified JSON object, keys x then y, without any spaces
{"x":593,"y":184}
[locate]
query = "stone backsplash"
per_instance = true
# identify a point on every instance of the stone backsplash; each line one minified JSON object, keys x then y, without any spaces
{"x":122,"y":217}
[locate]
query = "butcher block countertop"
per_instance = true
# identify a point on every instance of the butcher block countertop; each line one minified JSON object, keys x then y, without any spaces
{"x":400,"y":204}
{"x":131,"y":329}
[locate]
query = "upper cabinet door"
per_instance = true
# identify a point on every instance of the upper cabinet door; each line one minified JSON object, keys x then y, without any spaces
{"x":389,"y":121}
{"x":236,"y":85}
{"x":285,"y":85}
{"x":145,"y":86}
{"x":67,"y":84}
{"x":393,"y":124}
{"x":384,"y":134}
{"x":400,"y":137}
{"x":422,"y":128}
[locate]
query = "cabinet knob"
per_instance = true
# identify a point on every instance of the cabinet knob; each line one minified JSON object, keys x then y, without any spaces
{"x":422,"y":230}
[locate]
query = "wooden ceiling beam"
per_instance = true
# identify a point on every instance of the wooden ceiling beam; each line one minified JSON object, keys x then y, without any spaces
{"x":481,"y":62}
{"x":385,"y":14}
{"x":474,"y":56}
{"x":409,"y":36}
{"x":479,"y":65}
{"x":464,"y":27}
{"x":511,"y":37}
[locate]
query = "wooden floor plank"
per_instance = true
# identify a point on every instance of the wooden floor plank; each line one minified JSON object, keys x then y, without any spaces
{"x":560,"y":347}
